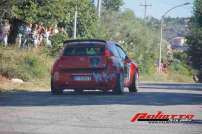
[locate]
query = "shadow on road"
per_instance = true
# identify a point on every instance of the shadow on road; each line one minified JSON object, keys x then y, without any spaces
{"x":23,"y":98}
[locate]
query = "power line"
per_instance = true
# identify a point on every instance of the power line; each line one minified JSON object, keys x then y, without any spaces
{"x":145,"y":5}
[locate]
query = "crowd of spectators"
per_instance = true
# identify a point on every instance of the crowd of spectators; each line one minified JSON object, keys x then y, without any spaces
{"x":29,"y":35}
{"x":35,"y":35}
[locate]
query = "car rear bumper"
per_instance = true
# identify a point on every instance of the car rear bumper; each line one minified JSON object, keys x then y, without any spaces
{"x":100,"y":81}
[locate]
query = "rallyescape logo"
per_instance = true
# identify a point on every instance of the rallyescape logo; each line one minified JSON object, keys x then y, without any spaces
{"x":161,"y":117}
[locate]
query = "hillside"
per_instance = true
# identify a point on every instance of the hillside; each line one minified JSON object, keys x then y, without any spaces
{"x":173,"y":27}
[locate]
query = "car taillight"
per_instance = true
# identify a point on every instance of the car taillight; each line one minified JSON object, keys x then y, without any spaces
{"x":108,"y":53}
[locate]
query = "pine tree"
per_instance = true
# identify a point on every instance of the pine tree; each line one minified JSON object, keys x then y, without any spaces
{"x":195,"y":39}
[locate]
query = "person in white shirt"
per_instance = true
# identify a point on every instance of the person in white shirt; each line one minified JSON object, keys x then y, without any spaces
{"x":5,"y":32}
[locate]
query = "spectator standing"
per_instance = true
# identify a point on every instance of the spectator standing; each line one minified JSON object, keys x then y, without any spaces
{"x":5,"y":32}
{"x":35,"y":35}
{"x":41,"y":32}
{"x":48,"y":33}
{"x":28,"y":35}
{"x":55,"y":30}
{"x":19,"y":40}
{"x":1,"y":33}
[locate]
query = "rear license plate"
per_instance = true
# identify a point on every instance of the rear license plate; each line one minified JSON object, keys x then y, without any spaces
{"x":82,"y":78}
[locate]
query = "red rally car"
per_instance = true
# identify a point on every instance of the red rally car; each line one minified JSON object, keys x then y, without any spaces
{"x":93,"y":65}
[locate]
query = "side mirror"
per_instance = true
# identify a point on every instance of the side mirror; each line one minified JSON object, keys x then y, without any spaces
{"x":126,"y":57}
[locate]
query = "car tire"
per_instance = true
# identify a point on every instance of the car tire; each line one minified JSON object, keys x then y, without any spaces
{"x":54,"y":90}
{"x":134,"y":86}
{"x":119,"y":88}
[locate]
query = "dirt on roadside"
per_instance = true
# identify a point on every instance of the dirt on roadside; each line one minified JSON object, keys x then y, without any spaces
{"x":35,"y":85}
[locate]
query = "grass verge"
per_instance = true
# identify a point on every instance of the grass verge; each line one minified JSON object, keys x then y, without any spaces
{"x":32,"y":66}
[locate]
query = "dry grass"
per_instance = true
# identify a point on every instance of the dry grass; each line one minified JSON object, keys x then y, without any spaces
{"x":167,"y":77}
{"x":37,"y":85}
{"x":13,"y":65}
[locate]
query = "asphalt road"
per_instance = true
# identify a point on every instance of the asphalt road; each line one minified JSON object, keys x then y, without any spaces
{"x":40,"y":112}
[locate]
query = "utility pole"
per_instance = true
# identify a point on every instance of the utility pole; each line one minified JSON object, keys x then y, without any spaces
{"x":75,"y":21}
{"x":145,"y":5}
{"x":99,"y":5}
{"x":161,"y":36}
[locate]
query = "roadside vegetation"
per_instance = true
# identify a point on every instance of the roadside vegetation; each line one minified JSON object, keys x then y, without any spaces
{"x":139,"y":38}
{"x":23,"y":64}
{"x":32,"y":67}
{"x":195,"y":40}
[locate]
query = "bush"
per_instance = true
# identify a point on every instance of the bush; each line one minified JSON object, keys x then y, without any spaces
{"x":33,"y":65}
{"x":181,"y":68}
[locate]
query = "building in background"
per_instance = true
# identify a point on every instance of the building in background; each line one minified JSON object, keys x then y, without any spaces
{"x":179,"y":44}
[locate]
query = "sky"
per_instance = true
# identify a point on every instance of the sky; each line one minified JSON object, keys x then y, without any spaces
{"x":159,"y":7}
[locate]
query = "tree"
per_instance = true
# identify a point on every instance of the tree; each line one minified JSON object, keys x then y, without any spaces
{"x":113,"y":5}
{"x":87,"y":19}
{"x":45,"y":11}
{"x":195,"y":39}
{"x":52,"y":12}
{"x":25,"y":10}
{"x":5,"y":10}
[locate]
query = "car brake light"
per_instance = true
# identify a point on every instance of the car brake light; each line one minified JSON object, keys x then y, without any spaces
{"x":108,"y":53}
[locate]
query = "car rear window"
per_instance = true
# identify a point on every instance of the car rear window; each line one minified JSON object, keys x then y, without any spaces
{"x":83,"y":51}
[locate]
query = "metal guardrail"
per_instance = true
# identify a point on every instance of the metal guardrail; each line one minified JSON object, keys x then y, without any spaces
{"x":172,"y":85}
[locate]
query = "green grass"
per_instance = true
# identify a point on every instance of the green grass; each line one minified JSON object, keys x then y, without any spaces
{"x":170,"y":76}
{"x":27,"y":65}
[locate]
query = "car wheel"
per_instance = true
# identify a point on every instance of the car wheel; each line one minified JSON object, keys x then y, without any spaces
{"x":54,"y":90}
{"x":119,"y":88}
{"x":134,"y":86}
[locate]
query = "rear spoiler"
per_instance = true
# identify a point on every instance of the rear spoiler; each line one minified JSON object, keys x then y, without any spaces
{"x":84,"y":40}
